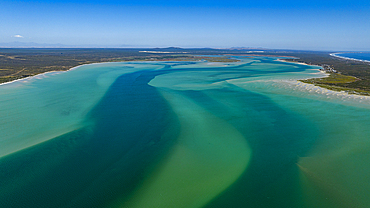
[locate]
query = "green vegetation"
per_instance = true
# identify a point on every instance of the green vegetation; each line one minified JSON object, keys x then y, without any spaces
{"x":333,"y":78}
{"x":335,"y":82}
{"x":20,"y":63}
{"x":360,"y":72}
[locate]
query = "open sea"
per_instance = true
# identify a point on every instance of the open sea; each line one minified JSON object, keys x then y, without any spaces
{"x":364,"y":56}
{"x":183,"y":134}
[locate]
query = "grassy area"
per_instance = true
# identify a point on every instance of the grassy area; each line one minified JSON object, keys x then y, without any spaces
{"x":344,"y":89}
{"x":357,"y":69}
{"x":333,"y":78}
{"x":334,"y":81}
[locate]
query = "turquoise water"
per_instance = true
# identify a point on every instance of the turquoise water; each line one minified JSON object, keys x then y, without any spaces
{"x":183,"y":134}
{"x":365,"y":56}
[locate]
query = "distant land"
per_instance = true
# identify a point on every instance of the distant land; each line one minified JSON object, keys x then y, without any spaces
{"x":29,"y":59}
{"x":17,"y":44}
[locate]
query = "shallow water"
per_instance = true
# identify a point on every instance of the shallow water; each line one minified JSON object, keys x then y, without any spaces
{"x":183,"y":134}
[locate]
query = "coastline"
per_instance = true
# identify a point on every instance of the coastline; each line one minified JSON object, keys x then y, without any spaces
{"x":325,"y":74}
{"x":329,"y":89}
{"x":49,"y":72}
{"x":30,"y":77}
{"x":73,"y":68}
{"x":346,"y":58}
{"x":282,"y":60}
{"x":333,"y":88}
{"x":311,"y":88}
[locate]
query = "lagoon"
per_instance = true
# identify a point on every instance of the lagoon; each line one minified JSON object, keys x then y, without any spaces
{"x":183,"y":134}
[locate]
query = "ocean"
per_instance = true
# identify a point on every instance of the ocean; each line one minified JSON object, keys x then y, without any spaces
{"x":363,"y":56}
{"x":183,"y":134}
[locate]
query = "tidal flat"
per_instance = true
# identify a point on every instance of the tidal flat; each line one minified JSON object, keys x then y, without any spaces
{"x":183,"y":134}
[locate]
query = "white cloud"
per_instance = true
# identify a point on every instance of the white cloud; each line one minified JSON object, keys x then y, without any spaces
{"x":18,"y":36}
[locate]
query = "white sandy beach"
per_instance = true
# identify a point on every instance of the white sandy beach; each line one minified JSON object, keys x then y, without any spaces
{"x":352,"y":59}
{"x":281,"y":60}
{"x":42,"y":75}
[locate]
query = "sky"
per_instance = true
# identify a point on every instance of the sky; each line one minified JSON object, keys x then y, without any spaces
{"x":302,"y":25}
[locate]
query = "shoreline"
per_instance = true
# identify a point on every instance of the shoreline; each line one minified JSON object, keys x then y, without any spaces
{"x":346,"y":58}
{"x":311,"y":88}
{"x":326,"y":75}
{"x":44,"y":73}
{"x":282,"y":60}
{"x":73,"y":68}
{"x":29,"y":77}
{"x":340,"y":89}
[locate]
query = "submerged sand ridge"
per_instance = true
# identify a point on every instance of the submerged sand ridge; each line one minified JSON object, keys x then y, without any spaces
{"x":208,"y":157}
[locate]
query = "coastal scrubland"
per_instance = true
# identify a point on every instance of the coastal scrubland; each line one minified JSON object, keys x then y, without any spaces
{"x":351,"y":76}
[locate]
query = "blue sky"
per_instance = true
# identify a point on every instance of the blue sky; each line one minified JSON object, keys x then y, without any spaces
{"x":312,"y":25}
